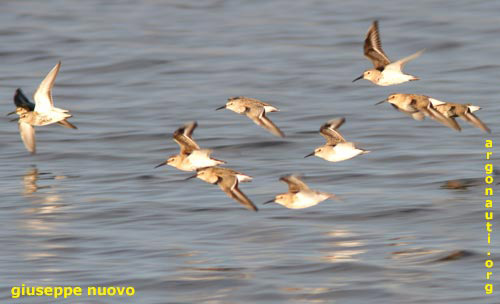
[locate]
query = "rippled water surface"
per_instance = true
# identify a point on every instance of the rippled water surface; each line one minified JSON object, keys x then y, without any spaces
{"x":89,"y":209}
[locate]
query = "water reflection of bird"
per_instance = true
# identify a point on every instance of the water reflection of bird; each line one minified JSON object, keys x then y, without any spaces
{"x":30,"y":179}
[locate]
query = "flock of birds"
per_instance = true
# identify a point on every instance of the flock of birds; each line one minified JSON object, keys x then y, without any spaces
{"x":192,"y":158}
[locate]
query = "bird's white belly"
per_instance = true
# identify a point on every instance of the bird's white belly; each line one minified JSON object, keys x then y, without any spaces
{"x":197,"y":160}
{"x":407,"y":107}
{"x":391,"y":77}
{"x":308,"y":199}
{"x":343,"y":151}
{"x":42,"y":119}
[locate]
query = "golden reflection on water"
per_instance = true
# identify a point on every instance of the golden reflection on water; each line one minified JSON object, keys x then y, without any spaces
{"x":303,"y":294}
{"x":36,"y":223}
{"x":29,"y":181}
{"x":336,"y":254}
{"x":43,"y":202}
{"x":340,"y":233}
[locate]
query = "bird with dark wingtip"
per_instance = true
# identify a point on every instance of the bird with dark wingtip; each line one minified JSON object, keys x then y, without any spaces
{"x":41,"y":113}
{"x":23,"y":105}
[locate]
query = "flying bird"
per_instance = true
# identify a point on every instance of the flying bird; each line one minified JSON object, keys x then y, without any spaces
{"x":336,"y":147}
{"x":299,"y":195}
{"x":464,"y":111}
{"x":255,"y":110}
{"x":385,"y":72}
{"x":23,"y":105}
{"x":419,"y":106}
{"x":228,"y":181}
{"x":190,"y":157}
{"x":42,"y":112}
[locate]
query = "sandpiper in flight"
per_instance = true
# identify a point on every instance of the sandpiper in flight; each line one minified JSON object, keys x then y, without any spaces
{"x":385,"y":72}
{"x":419,"y":106}
{"x":336,"y":148}
{"x":190,"y":157}
{"x":23,"y":105}
{"x":255,"y":110}
{"x":43,"y":113}
{"x":464,"y":111}
{"x":227,"y":180}
{"x":299,"y":195}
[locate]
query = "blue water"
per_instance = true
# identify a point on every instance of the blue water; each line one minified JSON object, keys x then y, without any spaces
{"x":90,"y":210}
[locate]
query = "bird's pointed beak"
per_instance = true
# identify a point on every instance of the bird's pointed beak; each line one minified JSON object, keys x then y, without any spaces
{"x":268,"y":202}
{"x":220,"y":108}
{"x":360,"y":77}
{"x":193,"y":176}
{"x":162,"y":164}
{"x":14,"y":119}
{"x":310,"y":154}
{"x":13,"y":112}
{"x":380,"y":102}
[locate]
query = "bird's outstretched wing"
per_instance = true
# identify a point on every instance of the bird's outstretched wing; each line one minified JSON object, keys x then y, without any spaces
{"x":436,"y":115}
{"x":373,"y":48}
{"x":475,"y":121}
{"x":43,"y":94}
{"x":398,"y":66}
{"x":21,"y":101}
{"x":258,"y":115}
{"x":295,"y":184}
{"x":229,"y":184}
{"x":330,"y":132}
{"x":27,"y":132}
{"x":183,"y":137}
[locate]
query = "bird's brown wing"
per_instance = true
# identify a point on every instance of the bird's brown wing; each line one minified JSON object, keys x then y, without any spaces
{"x":229,"y":184}
{"x":330,"y":132}
{"x":475,"y":121}
{"x":373,"y":47}
{"x":258,"y":115}
{"x":436,"y":115}
{"x":295,"y":184}
{"x":183,"y":137}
